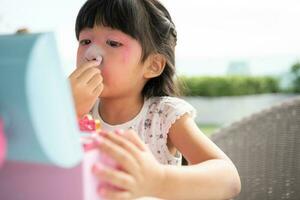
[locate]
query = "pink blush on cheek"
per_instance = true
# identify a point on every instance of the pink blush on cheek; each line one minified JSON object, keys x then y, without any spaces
{"x":131,"y":49}
{"x":131,"y":52}
{"x":125,"y":56}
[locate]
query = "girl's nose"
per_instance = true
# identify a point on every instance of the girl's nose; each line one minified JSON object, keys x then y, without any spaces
{"x":94,"y":53}
{"x":99,"y":59}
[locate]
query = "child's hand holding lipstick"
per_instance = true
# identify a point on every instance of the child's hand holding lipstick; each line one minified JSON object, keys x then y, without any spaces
{"x":87,"y":85}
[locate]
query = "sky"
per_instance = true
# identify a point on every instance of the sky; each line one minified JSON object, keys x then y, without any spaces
{"x":265,"y":34}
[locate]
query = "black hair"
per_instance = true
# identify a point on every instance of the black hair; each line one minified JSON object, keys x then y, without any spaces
{"x":147,"y":21}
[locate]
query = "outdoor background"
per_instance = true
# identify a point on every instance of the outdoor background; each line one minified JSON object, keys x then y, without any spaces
{"x":235,"y":57}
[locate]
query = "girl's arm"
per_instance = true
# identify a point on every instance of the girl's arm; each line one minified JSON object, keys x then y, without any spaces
{"x":211,"y":174}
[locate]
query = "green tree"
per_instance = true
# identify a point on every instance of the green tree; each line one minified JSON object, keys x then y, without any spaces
{"x":296,"y":73}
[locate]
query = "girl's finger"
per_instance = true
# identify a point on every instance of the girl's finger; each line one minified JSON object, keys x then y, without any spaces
{"x":98,"y":89}
{"x":84,"y":67}
{"x":95,"y":80}
{"x":108,"y":193}
{"x":114,"y":177}
{"x":133,"y":137}
{"x":89,"y":74}
{"x":120,"y":155}
{"x":122,"y":142}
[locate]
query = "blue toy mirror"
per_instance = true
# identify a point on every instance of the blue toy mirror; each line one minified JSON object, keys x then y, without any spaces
{"x":36,"y":103}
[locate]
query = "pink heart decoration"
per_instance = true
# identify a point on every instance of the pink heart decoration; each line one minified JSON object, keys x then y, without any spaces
{"x":2,"y":142}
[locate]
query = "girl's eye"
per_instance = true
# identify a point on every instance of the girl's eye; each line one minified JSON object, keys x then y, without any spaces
{"x":114,"y":44}
{"x":84,"y":42}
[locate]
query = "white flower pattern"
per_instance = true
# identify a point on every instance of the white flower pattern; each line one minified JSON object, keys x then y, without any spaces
{"x":153,"y":124}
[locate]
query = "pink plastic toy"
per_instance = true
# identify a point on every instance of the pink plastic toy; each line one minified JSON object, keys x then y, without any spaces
{"x":2,"y":142}
{"x":93,"y":155}
{"x":88,"y":124}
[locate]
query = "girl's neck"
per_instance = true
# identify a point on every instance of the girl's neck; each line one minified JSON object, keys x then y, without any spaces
{"x":121,"y":110}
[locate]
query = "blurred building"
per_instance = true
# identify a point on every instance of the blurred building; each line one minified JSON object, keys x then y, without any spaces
{"x":238,"y":68}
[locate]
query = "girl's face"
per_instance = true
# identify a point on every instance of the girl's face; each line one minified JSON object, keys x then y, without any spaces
{"x":121,"y":68}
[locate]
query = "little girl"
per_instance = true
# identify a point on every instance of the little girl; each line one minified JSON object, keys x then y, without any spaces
{"x":125,"y":78}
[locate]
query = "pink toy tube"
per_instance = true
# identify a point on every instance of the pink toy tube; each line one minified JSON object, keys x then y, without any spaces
{"x":92,"y":155}
{"x":2,"y":142}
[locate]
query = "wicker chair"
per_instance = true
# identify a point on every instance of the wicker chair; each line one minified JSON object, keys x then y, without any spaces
{"x":265,"y":148}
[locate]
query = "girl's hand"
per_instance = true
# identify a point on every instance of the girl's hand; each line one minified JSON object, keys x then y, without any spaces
{"x":140,"y":174}
{"x":86,"y":83}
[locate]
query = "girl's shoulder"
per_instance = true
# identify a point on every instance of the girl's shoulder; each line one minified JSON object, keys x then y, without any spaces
{"x":170,"y":106}
{"x":162,"y":113}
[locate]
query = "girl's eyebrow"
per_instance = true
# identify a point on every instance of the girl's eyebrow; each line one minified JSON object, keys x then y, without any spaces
{"x":85,"y":30}
{"x":84,"y":33}
{"x":119,"y":35}
{"x":109,"y":32}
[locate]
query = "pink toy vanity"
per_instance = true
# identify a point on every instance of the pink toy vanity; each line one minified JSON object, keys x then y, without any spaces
{"x":41,"y":156}
{"x":2,"y":143}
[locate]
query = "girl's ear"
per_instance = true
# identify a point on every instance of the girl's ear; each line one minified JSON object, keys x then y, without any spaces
{"x":155,"y":66}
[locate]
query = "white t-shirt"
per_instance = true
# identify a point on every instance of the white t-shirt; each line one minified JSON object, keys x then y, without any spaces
{"x":152,"y":124}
